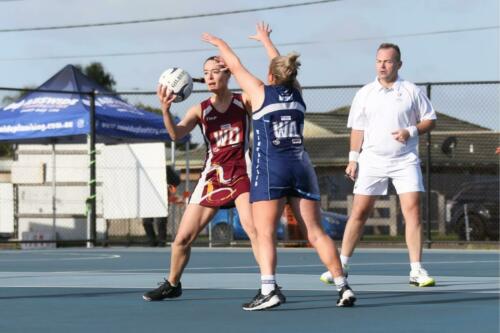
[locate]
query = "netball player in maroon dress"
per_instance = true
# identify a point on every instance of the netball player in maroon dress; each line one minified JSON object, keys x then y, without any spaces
{"x":224,"y":122}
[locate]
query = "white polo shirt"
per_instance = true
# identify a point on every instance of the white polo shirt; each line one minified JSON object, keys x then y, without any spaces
{"x":379,"y":111}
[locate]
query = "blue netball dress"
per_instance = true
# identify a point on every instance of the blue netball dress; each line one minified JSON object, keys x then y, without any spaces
{"x":280,"y":165}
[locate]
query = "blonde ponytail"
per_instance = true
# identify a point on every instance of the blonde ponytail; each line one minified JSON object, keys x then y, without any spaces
{"x":284,"y":69}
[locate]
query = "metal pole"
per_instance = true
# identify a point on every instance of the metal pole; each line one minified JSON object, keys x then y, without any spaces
{"x":172,"y":154}
{"x":54,"y":230}
{"x":91,"y":228}
{"x":231,"y":224}
{"x":428,"y":240}
{"x":467,"y":225}
{"x":210,"y":234}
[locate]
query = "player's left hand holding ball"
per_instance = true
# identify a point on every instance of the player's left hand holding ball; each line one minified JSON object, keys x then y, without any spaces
{"x":166,"y":97}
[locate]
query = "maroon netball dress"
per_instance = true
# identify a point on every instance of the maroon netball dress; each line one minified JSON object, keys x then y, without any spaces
{"x":227,"y":164}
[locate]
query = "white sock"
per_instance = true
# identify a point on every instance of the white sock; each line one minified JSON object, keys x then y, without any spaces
{"x":415,"y":266}
{"x":340,"y":282}
{"x":344,"y":260}
{"x":267,"y":284}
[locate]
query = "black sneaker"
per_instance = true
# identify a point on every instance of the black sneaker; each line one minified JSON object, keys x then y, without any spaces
{"x":165,"y":290}
{"x":262,"y":302}
{"x":279,"y":294}
{"x":346,"y":297}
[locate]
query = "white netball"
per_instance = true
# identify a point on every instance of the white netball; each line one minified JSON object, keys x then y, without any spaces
{"x":179,"y":81}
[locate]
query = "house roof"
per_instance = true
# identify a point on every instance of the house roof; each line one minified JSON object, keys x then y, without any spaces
{"x":335,"y":121}
{"x":327,"y":142}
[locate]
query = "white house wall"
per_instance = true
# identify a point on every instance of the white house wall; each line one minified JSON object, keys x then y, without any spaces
{"x":135,"y":177}
{"x":6,"y":208}
{"x":69,"y":199}
{"x":67,"y":228}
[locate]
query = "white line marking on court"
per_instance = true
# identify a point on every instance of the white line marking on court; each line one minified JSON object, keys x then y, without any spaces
{"x":295,"y":266}
{"x":146,"y":270}
{"x":97,"y":257}
{"x":250,"y":281}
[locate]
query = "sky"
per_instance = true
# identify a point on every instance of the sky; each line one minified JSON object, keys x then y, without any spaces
{"x":441,"y":40}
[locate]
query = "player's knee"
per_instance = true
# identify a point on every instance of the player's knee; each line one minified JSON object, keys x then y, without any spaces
{"x":183,"y":241}
{"x":412,"y":213}
{"x":413,"y":210}
{"x":359,"y":216}
{"x":250,"y":230}
{"x":313,"y":236}
{"x":312,"y":239}
{"x":264,"y":234}
{"x":251,"y":233}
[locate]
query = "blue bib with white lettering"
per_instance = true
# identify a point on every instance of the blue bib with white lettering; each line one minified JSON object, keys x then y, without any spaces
{"x":279,"y":123}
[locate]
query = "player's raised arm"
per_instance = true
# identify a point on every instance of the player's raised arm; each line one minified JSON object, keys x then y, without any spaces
{"x":246,"y":80}
{"x":186,"y":125}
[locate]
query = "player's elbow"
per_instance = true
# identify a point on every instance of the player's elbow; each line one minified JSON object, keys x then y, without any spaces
{"x":174,"y":135}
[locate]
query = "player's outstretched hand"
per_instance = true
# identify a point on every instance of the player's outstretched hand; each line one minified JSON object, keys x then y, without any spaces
{"x":263,"y":31}
{"x":211,"y":39}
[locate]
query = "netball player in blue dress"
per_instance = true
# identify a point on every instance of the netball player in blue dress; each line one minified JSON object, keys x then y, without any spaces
{"x":281,"y":167}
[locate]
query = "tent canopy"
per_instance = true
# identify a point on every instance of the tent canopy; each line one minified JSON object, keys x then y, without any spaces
{"x":49,"y":117}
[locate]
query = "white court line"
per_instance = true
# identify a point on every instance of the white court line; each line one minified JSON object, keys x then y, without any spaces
{"x":310,"y":265}
{"x":425,"y":263}
{"x":250,"y":281}
{"x":142,"y":270}
{"x":117,"y":249}
{"x":99,"y":257}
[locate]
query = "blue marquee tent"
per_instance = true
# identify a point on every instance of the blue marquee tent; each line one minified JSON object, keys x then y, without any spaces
{"x":64,"y":110}
{"x":61,"y":115}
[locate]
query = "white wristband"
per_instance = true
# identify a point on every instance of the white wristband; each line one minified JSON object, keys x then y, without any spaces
{"x":353,"y":156}
{"x":413,"y":131}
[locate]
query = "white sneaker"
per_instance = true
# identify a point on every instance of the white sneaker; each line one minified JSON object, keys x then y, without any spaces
{"x":346,"y":297}
{"x":421,"y":278}
{"x":327,"y":277}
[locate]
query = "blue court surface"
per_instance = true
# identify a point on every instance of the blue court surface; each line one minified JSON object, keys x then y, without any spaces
{"x":99,"y":290}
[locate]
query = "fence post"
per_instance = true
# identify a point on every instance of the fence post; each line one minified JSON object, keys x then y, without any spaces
{"x":441,"y":204}
{"x":349,"y":204}
{"x":324,"y":202}
{"x":428,"y":239}
{"x":91,"y":237}
{"x":393,"y":217}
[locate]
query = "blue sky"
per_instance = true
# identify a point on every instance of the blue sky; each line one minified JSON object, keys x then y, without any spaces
{"x":337,"y":40}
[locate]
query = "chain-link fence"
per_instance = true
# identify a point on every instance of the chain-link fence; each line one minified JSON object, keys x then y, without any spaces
{"x":459,"y":162}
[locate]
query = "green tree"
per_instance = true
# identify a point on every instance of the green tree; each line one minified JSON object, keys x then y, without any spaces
{"x":148,"y":108}
{"x":7,"y":149}
{"x":6,"y":100}
{"x":96,"y":72}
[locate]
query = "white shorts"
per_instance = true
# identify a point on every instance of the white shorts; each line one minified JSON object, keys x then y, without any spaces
{"x":374,"y":173}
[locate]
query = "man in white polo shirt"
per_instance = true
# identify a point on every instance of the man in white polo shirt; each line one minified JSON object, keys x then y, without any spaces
{"x":386,"y":118}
